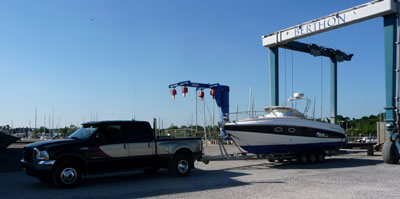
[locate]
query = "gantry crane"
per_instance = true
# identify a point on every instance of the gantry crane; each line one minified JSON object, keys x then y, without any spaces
{"x":389,"y":10}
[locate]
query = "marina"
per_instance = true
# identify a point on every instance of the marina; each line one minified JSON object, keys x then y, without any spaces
{"x":292,"y":144}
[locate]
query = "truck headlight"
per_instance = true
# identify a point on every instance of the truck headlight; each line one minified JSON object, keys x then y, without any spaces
{"x":41,"y":155}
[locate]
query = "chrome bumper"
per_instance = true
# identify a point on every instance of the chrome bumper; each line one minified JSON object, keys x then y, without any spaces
{"x":42,"y":162}
{"x":39,"y":168}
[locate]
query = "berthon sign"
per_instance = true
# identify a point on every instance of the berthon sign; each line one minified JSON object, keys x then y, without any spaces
{"x":320,"y":25}
{"x":336,"y":20}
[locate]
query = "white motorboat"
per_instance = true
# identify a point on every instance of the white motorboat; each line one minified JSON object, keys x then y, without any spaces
{"x":284,"y":129}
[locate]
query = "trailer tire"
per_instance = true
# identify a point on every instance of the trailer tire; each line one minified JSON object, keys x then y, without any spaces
{"x":321,"y":157}
{"x":389,"y":153}
{"x":302,"y":158}
{"x":312,"y":158}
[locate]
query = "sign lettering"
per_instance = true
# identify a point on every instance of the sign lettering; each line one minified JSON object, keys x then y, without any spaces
{"x":319,"y":25}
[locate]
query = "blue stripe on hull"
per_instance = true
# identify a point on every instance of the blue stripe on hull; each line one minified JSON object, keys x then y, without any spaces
{"x":267,"y":149}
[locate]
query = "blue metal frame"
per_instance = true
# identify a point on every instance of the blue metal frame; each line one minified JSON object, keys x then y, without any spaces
{"x":333,"y":90}
{"x":315,"y":50}
{"x":221,"y":97}
{"x":390,"y":30}
{"x":274,"y":74}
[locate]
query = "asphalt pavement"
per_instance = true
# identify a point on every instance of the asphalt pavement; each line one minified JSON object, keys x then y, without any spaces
{"x":352,"y":174}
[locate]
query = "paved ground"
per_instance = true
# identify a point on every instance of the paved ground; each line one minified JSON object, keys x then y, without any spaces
{"x":10,"y":157}
{"x":349,"y":175}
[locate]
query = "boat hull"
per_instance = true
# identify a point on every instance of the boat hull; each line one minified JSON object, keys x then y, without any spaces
{"x":272,"y":136}
{"x":265,"y":143}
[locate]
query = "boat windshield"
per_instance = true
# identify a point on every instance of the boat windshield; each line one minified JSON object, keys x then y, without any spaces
{"x":83,"y":132}
{"x":282,"y":112}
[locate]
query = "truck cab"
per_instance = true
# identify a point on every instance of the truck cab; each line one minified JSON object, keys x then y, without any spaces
{"x":109,"y":146}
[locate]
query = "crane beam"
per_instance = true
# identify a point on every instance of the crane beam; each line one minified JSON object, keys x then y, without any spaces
{"x":221,"y":97}
{"x":316,"y":50}
{"x":336,"y":20}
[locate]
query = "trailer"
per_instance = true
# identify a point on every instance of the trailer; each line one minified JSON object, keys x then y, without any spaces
{"x":302,"y":157}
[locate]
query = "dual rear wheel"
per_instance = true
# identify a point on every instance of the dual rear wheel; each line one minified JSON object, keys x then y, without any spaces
{"x":181,"y":165}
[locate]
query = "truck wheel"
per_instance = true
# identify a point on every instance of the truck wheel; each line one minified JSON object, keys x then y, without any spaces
{"x":389,"y":153}
{"x":180,"y":166}
{"x":67,"y":174}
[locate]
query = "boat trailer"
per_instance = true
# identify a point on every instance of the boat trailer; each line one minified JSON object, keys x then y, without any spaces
{"x":302,"y":157}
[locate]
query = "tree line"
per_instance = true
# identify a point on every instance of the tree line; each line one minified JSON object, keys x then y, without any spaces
{"x":364,"y":126}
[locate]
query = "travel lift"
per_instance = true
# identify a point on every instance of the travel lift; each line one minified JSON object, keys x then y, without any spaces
{"x":388,"y":9}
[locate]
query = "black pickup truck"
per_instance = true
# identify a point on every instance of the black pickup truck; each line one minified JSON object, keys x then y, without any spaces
{"x":109,"y":146}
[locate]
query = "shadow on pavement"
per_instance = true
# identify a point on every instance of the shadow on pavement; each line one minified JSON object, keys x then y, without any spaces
{"x":10,"y":158}
{"x":328,"y":164}
{"x":332,"y":164}
{"x":138,"y":184}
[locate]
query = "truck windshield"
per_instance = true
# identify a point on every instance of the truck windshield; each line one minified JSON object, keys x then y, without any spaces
{"x":83,"y":132}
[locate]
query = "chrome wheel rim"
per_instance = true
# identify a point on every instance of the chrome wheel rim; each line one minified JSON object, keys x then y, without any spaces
{"x":183,"y":166}
{"x":68,"y":175}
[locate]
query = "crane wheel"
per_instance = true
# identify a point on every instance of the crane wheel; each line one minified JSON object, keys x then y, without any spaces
{"x":389,"y":153}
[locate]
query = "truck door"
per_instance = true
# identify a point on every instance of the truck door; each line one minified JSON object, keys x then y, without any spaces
{"x":140,"y":143}
{"x":111,"y":149}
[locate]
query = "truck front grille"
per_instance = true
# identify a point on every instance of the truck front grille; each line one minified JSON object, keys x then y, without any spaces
{"x":28,"y":155}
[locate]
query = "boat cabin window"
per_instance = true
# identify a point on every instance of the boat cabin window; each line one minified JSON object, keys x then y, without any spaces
{"x":283,"y":112}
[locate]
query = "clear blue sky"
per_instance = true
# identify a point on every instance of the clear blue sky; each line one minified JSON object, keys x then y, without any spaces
{"x":120,"y":64}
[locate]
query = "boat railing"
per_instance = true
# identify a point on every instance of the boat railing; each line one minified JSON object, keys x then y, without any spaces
{"x":293,"y":104}
{"x":238,"y":115}
{"x":235,"y":116}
